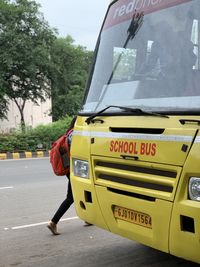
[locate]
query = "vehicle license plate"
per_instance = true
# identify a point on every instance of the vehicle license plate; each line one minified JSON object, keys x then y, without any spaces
{"x":133,"y":216}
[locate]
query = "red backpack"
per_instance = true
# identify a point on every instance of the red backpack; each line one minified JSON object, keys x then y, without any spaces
{"x":60,"y":155}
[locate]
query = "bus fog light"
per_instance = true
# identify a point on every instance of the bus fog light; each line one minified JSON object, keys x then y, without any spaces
{"x":194,"y":188}
{"x":80,"y":168}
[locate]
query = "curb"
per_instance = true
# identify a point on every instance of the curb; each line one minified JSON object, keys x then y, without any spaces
{"x":23,"y":155}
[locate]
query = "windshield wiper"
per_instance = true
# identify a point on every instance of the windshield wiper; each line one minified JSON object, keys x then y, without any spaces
{"x":136,"y":111}
{"x":135,"y":24}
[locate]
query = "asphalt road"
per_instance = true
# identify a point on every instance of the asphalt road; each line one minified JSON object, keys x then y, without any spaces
{"x":29,"y":195}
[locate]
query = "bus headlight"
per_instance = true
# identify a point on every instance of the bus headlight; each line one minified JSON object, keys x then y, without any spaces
{"x":194,"y":188}
{"x":80,"y":168}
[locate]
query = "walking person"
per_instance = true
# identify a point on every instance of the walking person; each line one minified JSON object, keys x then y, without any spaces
{"x":52,"y":225}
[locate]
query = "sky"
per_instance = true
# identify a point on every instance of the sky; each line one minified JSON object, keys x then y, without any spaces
{"x":81,"y":19}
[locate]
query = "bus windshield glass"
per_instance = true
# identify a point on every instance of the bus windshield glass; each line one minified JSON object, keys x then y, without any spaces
{"x":147,"y":57}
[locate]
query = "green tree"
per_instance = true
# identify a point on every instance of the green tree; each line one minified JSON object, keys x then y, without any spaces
{"x":25,"y":40}
{"x":70,"y":64}
{"x":3,"y":105}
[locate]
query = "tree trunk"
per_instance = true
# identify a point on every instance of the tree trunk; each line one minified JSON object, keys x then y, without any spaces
{"x":23,"y":128}
{"x":21,"y":111}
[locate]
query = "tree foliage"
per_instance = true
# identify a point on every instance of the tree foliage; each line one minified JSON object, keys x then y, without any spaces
{"x":3,"y":105}
{"x":70,"y":65}
{"x":35,"y":64}
{"x":26,"y":39}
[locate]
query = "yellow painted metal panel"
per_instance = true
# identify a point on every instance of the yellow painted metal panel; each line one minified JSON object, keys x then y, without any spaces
{"x":87,"y":210}
{"x":163,"y":148}
{"x":159,"y":210}
{"x":185,"y":224}
{"x":171,"y":167}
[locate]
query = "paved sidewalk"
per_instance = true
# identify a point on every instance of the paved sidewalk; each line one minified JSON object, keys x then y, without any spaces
{"x":25,"y":154}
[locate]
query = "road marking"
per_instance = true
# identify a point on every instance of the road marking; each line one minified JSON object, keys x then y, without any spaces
{"x":37,"y":224}
{"x":5,"y":160}
{"x":6,"y":187}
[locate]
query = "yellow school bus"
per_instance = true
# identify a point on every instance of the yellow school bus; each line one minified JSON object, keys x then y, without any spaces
{"x":135,"y":154}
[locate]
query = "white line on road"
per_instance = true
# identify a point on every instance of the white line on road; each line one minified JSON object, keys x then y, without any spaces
{"x":20,"y":159}
{"x":6,"y":187}
{"x":37,"y":224}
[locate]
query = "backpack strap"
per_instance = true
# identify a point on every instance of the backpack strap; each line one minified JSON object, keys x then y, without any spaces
{"x":69,"y":134}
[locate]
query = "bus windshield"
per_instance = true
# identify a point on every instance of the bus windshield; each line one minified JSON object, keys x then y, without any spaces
{"x":147,"y":57}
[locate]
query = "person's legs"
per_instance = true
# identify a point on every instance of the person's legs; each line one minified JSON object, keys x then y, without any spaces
{"x":61,"y":210}
{"x":64,"y":206}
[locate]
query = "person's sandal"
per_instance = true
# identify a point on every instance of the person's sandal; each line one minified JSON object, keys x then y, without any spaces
{"x":53,"y":228}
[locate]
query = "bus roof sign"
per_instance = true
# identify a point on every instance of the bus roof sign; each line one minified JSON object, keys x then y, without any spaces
{"x":125,"y":9}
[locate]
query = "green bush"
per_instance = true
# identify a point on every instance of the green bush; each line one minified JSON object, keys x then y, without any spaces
{"x":39,"y":138}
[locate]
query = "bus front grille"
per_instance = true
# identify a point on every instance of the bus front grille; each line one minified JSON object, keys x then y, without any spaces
{"x":144,"y":178}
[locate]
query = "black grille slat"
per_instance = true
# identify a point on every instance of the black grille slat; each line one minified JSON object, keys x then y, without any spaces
{"x":131,"y":194}
{"x":136,"y":183}
{"x":157,"y":172}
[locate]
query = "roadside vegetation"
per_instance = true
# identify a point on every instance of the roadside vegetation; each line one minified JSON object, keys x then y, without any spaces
{"x":39,"y":138}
